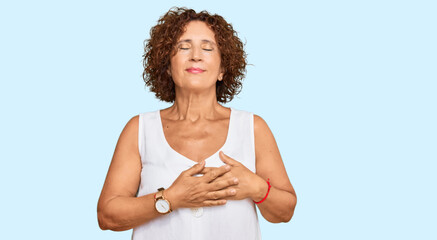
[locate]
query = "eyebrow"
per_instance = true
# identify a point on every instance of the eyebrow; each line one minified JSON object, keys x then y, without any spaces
{"x":190,"y":41}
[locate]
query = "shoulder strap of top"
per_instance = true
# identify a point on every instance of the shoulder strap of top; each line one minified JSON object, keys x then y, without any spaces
{"x":243,"y":136}
{"x":146,"y":120}
{"x":141,"y":133}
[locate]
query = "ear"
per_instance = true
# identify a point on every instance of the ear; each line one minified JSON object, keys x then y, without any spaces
{"x":169,"y":71}
{"x":220,"y":76}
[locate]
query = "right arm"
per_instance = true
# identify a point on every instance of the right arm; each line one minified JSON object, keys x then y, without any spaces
{"x":118,"y":209}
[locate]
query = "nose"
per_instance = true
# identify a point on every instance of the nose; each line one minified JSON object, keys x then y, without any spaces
{"x":196,"y":54}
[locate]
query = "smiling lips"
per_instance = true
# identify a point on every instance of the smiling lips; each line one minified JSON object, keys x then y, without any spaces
{"x":195,"y":70}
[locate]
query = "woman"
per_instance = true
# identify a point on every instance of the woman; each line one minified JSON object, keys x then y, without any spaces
{"x":197,"y":169}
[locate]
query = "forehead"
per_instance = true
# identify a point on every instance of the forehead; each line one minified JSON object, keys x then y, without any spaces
{"x":197,"y":30}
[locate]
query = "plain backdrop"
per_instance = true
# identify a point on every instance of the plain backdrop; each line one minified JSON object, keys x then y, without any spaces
{"x":348,"y":88}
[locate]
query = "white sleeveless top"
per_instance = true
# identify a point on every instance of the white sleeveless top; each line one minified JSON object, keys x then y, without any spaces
{"x":161,"y":165}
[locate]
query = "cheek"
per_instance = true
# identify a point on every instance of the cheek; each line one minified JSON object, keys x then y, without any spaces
{"x":217,"y":65}
{"x":214,"y":61}
{"x":176,"y":64}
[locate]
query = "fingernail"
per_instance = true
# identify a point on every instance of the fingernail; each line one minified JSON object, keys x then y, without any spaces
{"x":235,"y":180}
{"x":232,"y":191}
{"x":227,"y":167}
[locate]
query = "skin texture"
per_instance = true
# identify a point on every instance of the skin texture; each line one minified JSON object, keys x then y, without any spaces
{"x":159,"y":49}
{"x":202,"y":123}
{"x":196,"y":48}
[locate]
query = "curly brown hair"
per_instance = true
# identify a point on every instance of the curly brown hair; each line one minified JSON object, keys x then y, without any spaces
{"x":160,"y":48}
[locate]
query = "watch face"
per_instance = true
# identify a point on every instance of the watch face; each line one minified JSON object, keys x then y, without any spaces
{"x":162,"y":206}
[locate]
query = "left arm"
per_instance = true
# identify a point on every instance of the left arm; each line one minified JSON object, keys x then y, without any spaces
{"x":281,"y":201}
{"x":280,"y":204}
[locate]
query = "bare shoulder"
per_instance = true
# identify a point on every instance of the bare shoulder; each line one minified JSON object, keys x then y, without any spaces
{"x":129,"y":135}
{"x":259,"y":124}
{"x":123,"y":175}
{"x":264,"y":139}
{"x":133,"y":123}
{"x":269,"y":162}
{"x":127,"y":146}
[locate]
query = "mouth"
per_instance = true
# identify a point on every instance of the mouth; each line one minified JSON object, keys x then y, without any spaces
{"x":194,"y":70}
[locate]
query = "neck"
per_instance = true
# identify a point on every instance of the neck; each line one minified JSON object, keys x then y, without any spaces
{"x":195,"y":106}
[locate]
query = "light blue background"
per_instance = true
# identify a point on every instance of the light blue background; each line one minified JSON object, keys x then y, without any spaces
{"x":347,"y":87}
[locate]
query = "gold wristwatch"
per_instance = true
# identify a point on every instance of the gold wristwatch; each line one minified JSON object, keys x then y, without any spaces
{"x":162,"y":205}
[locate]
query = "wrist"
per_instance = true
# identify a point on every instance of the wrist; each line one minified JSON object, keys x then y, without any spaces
{"x":169,"y":195}
{"x":261,"y":189}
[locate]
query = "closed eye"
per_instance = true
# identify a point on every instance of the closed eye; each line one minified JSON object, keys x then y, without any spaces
{"x":207,"y":49}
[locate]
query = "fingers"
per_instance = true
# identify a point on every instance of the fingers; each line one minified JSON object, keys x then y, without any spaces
{"x":228,"y":160}
{"x":195,"y":169}
{"x":221,"y":194}
{"x":216,"y":198}
{"x":207,"y":169}
{"x":218,"y":185}
{"x":215,"y":173}
{"x":208,"y":203}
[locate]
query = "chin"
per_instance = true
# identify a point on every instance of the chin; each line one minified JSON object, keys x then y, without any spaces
{"x":198,"y":87}
{"x":198,"y":83}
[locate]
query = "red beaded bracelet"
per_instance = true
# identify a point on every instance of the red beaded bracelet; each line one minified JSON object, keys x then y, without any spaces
{"x":268,"y":190}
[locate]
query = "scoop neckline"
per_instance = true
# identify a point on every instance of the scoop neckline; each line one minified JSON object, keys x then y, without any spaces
{"x":164,"y":139}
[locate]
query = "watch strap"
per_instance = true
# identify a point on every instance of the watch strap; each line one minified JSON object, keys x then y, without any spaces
{"x":159,"y":194}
